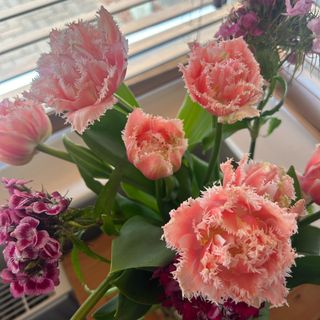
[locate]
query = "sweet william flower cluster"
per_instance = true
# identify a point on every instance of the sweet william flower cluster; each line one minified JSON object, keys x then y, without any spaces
{"x":205,"y":240}
{"x":28,"y":229}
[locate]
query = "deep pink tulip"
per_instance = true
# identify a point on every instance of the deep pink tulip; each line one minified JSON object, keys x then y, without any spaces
{"x":310,"y":181}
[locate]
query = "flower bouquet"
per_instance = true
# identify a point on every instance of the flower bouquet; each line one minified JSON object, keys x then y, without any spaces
{"x":195,"y":237}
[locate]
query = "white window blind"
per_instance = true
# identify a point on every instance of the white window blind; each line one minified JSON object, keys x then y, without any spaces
{"x":157,"y":32}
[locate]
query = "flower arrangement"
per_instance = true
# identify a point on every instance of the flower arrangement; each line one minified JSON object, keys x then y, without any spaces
{"x":198,"y":238}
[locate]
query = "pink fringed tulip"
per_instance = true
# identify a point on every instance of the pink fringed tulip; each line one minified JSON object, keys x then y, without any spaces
{"x":266,"y":178}
{"x":310,"y":181}
{"x":232,"y":243}
{"x":23,"y":125}
{"x":154,"y":145}
{"x":300,"y":7}
{"x":225,"y":79}
{"x":83,"y":70}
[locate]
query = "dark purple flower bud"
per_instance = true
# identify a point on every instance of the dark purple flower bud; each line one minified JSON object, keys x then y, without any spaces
{"x":249,"y":23}
{"x":228,"y":30}
{"x":197,"y":308}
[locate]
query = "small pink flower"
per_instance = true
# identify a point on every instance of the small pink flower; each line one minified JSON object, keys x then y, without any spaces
{"x":51,"y":250}
{"x":86,"y":65}
{"x":8,"y":220}
{"x":233,"y":243}
{"x":310,"y":181}
{"x":23,"y":125}
{"x":300,"y":7}
{"x":225,"y":79}
{"x":266,"y":178}
{"x":154,"y":145}
{"x":51,"y":205}
{"x":27,"y":235}
{"x":314,"y":26}
{"x":42,"y":282}
{"x":11,"y":184}
{"x":11,"y":256}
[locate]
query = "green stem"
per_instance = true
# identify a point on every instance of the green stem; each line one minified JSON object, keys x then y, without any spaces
{"x":54,"y":152}
{"x":213,"y":174}
{"x":254,"y":135}
{"x":256,"y":124}
{"x":309,"y":219}
{"x":124,"y":103}
{"x":92,"y":300}
{"x":254,"y":132}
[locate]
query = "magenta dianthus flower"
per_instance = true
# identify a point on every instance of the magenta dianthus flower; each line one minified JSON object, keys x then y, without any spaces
{"x":28,"y":225}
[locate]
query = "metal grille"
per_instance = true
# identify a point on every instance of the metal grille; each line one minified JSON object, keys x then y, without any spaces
{"x":11,"y":308}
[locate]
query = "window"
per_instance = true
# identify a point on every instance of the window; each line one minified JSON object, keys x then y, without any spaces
{"x":159,"y":29}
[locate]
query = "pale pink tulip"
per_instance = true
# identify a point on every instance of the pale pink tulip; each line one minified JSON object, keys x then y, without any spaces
{"x":300,"y":7}
{"x":310,"y":181}
{"x":314,"y":26}
{"x":233,"y":243}
{"x":225,"y":79}
{"x":86,"y":65}
{"x":154,"y":145}
{"x":23,"y":125}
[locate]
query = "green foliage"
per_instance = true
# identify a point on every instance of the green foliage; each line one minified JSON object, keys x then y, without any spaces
{"x":104,"y":137}
{"x":83,"y":247}
{"x":107,"y":311}
{"x":146,"y":247}
{"x":129,"y":208}
{"x":86,"y":159}
{"x":199,"y":168}
{"x":307,"y":241}
{"x":105,"y":201}
{"x":273,"y":123}
{"x":264,"y":313}
{"x":197,"y":122}
{"x":89,"y":165}
{"x":76,"y":265}
{"x":309,"y":219}
{"x":292,"y":173}
{"x":129,"y":310}
{"x":138,"y":286}
{"x":284,"y":86}
{"x":227,"y":131}
{"x":306,"y":270}
{"x":184,"y":178}
{"x":125,"y":94}
{"x":140,"y":196}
